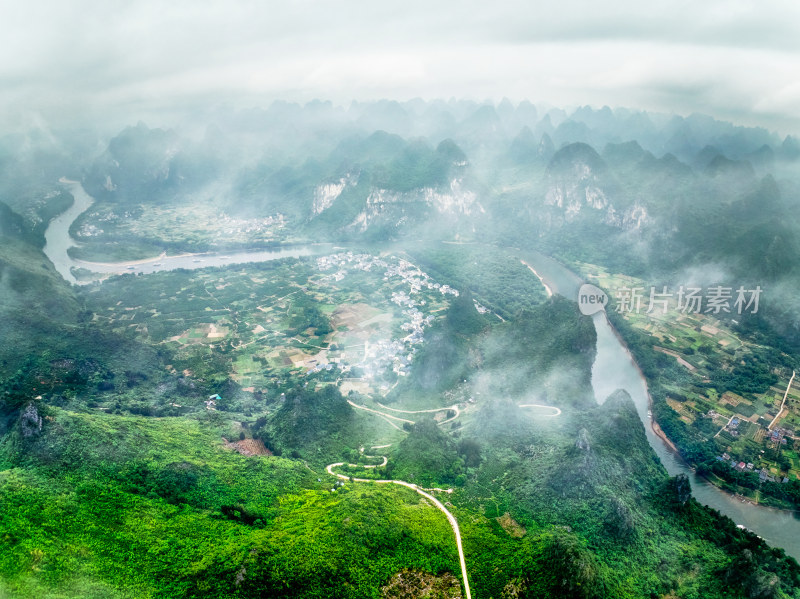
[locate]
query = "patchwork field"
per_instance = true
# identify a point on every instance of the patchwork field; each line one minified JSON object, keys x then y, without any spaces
{"x":728,"y":391}
{"x":199,"y":223}
{"x":282,"y":318}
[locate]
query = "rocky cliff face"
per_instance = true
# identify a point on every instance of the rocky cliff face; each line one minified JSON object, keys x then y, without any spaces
{"x":325,"y":194}
{"x":577,"y":180}
{"x":455,"y":200}
{"x":30,"y":422}
{"x":578,"y":189}
{"x":632,"y":217}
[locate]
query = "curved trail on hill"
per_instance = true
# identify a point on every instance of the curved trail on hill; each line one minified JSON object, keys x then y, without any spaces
{"x":384,"y":415}
{"x":454,"y":407}
{"x":538,"y":405}
{"x":424,"y":492}
{"x":439,"y":505}
{"x":450,"y":518}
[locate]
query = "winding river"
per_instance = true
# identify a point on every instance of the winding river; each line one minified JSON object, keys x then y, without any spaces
{"x":613,"y":368}
{"x":58,"y":242}
{"x":57,"y":237}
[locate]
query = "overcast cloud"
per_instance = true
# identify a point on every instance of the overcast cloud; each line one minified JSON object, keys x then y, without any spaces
{"x":734,"y":60}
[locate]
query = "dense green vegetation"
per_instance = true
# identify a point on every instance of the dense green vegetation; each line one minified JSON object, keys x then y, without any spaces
{"x":167,"y":435}
{"x":316,"y":425}
{"x":551,"y":346}
{"x":156,"y":508}
{"x":445,"y":359}
{"x":100,"y":504}
{"x":614,"y":511}
{"x":50,"y":346}
{"x":493,"y":275}
{"x":427,"y":456}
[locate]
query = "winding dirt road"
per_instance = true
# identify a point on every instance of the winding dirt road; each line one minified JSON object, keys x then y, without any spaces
{"x":454,"y":407}
{"x":429,"y":497}
{"x":783,"y":403}
{"x":538,"y":405}
{"x":424,"y":492}
{"x":439,"y":505}
{"x":384,"y":415}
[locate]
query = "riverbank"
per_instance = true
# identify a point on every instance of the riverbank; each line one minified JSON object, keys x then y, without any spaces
{"x":615,"y":368}
{"x":125,"y":264}
{"x":57,"y":238}
{"x":663,"y":436}
{"x":719,"y":484}
{"x":541,"y":279}
{"x":659,"y":432}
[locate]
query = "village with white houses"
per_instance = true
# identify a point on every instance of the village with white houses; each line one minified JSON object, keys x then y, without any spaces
{"x":411,"y":292}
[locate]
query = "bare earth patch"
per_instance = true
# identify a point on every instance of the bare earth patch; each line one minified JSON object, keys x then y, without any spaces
{"x":511,"y":526}
{"x":414,"y":584}
{"x":248,"y":447}
{"x":358,"y":386}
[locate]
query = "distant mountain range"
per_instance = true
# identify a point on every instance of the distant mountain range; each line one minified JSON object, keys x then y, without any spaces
{"x":637,"y":191}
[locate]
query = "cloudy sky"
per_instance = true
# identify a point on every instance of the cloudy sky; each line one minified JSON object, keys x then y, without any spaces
{"x":736,"y":60}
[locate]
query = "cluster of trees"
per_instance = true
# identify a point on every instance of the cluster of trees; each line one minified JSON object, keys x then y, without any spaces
{"x":444,"y":358}
{"x":754,"y":376}
{"x":417,"y":165}
{"x":549,"y":350}
{"x":315,"y":425}
{"x":495,"y":276}
{"x":430,"y":457}
{"x":305,"y":314}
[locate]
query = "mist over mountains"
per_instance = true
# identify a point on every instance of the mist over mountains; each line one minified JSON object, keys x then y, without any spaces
{"x":642,"y":192}
{"x":670,"y":200}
